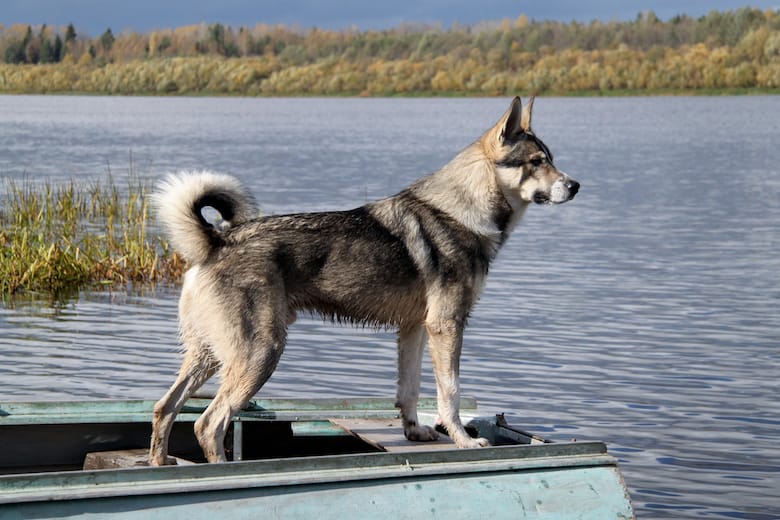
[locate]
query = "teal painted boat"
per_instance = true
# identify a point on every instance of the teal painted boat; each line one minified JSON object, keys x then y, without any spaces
{"x":293,"y":459}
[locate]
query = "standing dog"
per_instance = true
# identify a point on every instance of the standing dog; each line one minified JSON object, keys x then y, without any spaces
{"x":416,"y":261}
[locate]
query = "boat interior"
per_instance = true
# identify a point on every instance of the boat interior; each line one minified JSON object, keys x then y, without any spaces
{"x":108,"y":434}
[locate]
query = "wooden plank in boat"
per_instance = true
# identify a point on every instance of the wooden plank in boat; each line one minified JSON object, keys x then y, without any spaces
{"x":388,"y":435}
{"x":122,"y":459}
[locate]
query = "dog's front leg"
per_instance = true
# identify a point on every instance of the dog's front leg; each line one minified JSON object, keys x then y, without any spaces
{"x":411,"y":343}
{"x":446,"y":341}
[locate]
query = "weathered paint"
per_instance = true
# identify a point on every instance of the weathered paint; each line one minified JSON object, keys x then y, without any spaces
{"x":579,"y":492}
{"x":550,"y":479}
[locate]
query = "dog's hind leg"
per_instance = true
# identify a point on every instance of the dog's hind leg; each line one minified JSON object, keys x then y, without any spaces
{"x":249,"y":361}
{"x":240,"y":381}
{"x":411,"y":344}
{"x":197,"y":367}
{"x":445,"y":334}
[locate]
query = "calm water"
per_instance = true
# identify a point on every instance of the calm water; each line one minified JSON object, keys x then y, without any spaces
{"x":646,"y":313}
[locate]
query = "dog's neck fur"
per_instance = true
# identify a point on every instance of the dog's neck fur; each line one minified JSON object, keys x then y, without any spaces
{"x":467,"y":190}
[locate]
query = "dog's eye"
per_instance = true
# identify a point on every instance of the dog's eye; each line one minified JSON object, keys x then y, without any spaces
{"x":537,"y":161}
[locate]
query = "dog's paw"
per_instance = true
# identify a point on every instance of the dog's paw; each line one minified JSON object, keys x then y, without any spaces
{"x":420,"y":433}
{"x":163,"y":461}
{"x":469,"y":442}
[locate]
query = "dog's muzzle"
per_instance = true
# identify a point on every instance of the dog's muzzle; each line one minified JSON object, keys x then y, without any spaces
{"x":562,"y":190}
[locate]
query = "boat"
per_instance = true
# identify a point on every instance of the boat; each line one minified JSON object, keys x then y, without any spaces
{"x":294,"y":458}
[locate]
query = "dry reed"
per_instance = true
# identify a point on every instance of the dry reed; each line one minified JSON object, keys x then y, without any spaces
{"x":59,"y":238}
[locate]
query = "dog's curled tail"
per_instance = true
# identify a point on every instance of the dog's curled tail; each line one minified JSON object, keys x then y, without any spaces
{"x":180,"y":200}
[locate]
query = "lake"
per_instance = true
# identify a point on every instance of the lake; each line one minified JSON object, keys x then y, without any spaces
{"x":645,"y":313}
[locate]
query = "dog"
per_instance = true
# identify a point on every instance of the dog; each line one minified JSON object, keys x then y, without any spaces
{"x":415,"y":261}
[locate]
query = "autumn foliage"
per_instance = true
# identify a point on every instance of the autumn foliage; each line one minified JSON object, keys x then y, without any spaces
{"x":720,"y":51}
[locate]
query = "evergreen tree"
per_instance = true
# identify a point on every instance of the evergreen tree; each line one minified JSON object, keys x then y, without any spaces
{"x":14,"y":53}
{"x":219,"y":42}
{"x":27,"y":37}
{"x":57,"y":49}
{"x":70,"y":34}
{"x":46,"y":55}
{"x":107,"y":40}
{"x":70,"y":41}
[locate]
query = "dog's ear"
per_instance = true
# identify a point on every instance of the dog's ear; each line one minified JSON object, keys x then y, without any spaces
{"x":525,"y":119}
{"x":512,"y":121}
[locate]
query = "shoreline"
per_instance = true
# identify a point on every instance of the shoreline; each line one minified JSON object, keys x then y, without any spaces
{"x":618,"y":93}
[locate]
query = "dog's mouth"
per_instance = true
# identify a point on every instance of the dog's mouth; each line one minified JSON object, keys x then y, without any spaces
{"x":541,"y":197}
{"x":561,"y":192}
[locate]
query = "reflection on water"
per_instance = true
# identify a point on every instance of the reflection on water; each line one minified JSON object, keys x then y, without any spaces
{"x":644,"y":313}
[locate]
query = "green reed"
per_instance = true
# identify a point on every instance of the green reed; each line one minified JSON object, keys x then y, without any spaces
{"x":58,"y":238}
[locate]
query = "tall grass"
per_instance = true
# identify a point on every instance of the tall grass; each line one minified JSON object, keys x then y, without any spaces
{"x":58,"y":238}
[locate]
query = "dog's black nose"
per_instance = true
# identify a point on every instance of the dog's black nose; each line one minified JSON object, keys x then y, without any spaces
{"x":574,"y":187}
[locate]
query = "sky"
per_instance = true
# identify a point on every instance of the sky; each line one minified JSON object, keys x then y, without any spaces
{"x":92,"y":17}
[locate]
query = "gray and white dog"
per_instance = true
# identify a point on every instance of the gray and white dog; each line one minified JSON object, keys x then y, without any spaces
{"x":415,"y":261}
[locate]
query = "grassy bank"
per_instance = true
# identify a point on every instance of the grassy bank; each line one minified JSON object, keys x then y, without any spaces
{"x":57,"y":239}
{"x":621,"y":71}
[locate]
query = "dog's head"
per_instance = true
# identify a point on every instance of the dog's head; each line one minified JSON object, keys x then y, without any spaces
{"x":524,"y":164}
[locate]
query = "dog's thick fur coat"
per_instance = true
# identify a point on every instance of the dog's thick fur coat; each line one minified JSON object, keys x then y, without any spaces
{"x":415,"y":261}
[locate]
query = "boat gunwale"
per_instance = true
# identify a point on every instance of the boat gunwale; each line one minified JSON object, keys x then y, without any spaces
{"x":141,"y":410}
{"x":69,"y":485}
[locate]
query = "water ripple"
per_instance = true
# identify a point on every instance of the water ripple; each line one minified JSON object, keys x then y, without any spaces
{"x":645,"y":314}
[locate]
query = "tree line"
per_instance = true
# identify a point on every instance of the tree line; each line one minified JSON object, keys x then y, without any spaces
{"x":723,"y":50}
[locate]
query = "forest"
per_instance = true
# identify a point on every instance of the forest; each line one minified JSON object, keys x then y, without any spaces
{"x":734,"y":51}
